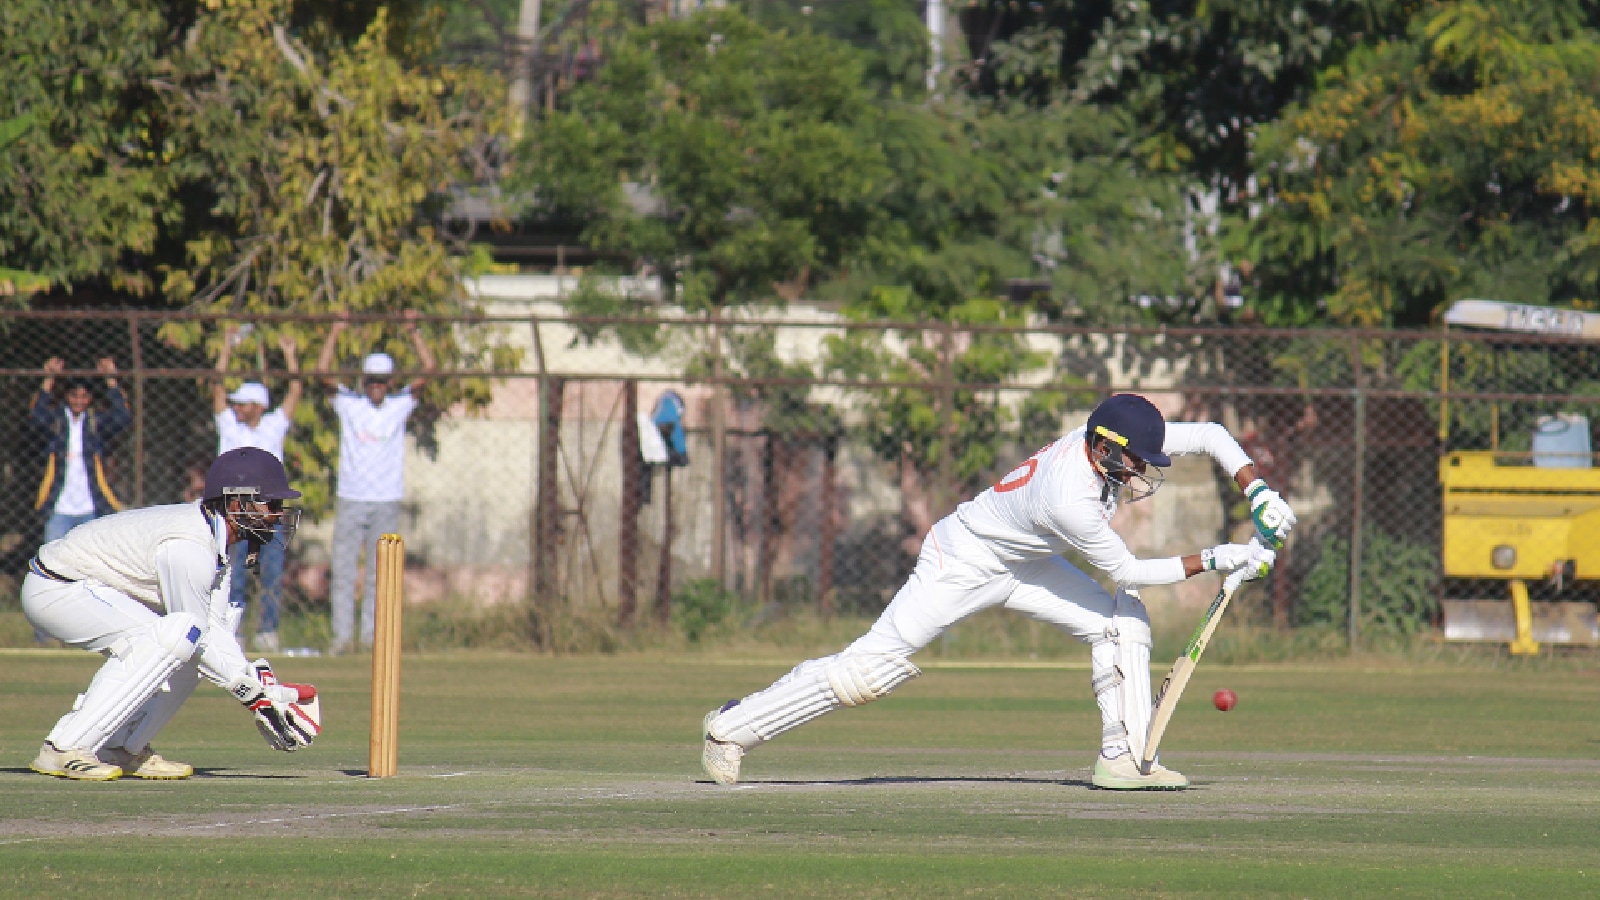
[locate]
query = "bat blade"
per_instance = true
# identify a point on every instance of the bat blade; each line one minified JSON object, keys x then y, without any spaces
{"x":1166,"y":702}
{"x":1178,"y":676}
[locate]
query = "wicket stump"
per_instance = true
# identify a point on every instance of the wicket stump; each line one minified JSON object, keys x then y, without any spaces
{"x":383,"y":749}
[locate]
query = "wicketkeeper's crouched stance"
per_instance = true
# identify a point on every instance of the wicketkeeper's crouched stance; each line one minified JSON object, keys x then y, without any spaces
{"x":149,"y":590}
{"x":1002,"y":549}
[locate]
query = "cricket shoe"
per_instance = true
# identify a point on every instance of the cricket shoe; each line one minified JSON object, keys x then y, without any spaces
{"x":79,"y":765}
{"x":146,"y":764}
{"x":721,"y":758}
{"x":1121,"y":773}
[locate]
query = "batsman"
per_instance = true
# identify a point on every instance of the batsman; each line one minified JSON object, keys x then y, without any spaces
{"x":1003,"y":548}
{"x":149,"y":589}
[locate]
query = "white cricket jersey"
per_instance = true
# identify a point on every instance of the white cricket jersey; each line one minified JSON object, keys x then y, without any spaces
{"x":1052,"y":502}
{"x":169,"y":558}
{"x":75,"y":499}
{"x":372,"y":444}
{"x":268,"y":434}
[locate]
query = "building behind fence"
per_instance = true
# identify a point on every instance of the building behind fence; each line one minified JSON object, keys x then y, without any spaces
{"x":541,"y":496}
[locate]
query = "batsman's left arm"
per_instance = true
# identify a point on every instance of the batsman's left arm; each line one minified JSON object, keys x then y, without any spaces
{"x":1273,"y":517}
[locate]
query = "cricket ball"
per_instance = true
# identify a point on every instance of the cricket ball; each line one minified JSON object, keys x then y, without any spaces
{"x":1225,"y":699}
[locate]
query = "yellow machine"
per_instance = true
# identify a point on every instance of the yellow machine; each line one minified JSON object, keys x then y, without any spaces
{"x":1514,"y":517}
{"x":1519,"y":523}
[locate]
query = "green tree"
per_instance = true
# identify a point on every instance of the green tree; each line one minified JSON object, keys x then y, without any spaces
{"x":727,"y":158}
{"x":322,"y":161}
{"x":14,"y":281}
{"x":1457,"y":162}
{"x":746,"y":164}
{"x":1196,"y":75}
{"x":82,"y":188}
{"x":889,"y":35}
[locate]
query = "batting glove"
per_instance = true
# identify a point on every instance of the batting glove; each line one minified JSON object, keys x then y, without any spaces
{"x":287,"y":715}
{"x":1261,"y":560}
{"x":1272,"y":515}
{"x":1229,"y":557}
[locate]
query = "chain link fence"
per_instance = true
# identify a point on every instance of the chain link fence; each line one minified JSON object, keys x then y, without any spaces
{"x":813,"y":454}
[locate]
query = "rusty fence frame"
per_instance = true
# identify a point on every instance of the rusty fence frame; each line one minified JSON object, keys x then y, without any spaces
{"x":1360,"y":392}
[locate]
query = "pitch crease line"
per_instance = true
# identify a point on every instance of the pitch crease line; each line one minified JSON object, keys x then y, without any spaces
{"x":340,"y":815}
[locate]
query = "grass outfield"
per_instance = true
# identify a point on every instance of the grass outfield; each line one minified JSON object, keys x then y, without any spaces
{"x":579,"y":777}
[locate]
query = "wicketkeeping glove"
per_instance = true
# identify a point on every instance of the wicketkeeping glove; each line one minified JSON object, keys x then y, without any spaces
{"x":289,"y":716}
{"x":1272,"y":515}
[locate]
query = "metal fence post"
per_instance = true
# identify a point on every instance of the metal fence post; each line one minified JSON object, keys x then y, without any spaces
{"x":946,"y":494}
{"x":138,"y":409}
{"x":664,"y":560}
{"x":633,"y":474}
{"x":1358,"y":492}
{"x":547,"y":501}
{"x":830,"y":452}
{"x":719,"y":474}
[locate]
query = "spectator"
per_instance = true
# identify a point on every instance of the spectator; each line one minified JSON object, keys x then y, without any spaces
{"x":372,"y":431}
{"x":193,"y":477}
{"x":243,"y":421}
{"x":75,"y":488}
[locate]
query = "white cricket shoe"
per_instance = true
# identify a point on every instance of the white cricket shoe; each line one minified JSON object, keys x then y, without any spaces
{"x":721,"y":758}
{"x":146,"y":764}
{"x":1121,"y":773}
{"x":78,"y":764}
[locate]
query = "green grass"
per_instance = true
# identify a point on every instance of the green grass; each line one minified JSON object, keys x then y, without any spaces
{"x":578,"y":777}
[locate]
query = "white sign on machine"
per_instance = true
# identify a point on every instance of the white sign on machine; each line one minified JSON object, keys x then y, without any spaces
{"x":1502,"y":316}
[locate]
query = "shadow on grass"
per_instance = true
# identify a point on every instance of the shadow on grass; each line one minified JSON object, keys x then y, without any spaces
{"x":912,"y":779}
{"x":251,"y":776}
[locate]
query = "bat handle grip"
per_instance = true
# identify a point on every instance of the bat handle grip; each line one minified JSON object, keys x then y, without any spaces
{"x":1236,"y":578}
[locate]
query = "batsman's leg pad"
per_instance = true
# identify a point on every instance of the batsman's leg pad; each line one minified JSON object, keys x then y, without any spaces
{"x":811,"y":689}
{"x":862,"y":678}
{"x":137,"y":668}
{"x":1119,"y":663}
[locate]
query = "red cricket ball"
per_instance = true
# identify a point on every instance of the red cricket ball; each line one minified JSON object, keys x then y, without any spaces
{"x":1225,"y":699}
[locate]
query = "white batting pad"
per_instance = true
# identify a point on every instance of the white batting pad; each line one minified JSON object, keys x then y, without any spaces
{"x":809,"y":690}
{"x":1119,"y":665}
{"x":156,"y":712}
{"x":135,"y":671}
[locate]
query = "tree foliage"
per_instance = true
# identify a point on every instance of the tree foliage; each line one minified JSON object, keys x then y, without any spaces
{"x":743,"y":163}
{"x":319,"y":160}
{"x":1457,"y":162}
{"x":318,"y":165}
{"x":82,"y":189}
{"x":726,"y":157}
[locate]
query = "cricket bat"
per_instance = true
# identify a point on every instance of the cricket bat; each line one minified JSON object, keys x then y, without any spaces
{"x":1178,"y":676}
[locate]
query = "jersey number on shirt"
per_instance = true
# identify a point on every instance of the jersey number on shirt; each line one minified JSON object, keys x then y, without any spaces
{"x":1022,"y":474}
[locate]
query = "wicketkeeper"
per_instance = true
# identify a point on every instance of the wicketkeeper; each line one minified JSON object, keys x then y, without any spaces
{"x":149,"y":589}
{"x":1002,"y":549}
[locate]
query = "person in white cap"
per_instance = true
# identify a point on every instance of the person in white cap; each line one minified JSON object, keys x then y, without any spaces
{"x":372,"y":432}
{"x":243,"y":420}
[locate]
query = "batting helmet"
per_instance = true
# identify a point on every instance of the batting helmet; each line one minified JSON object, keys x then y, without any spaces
{"x":253,"y":476}
{"x":1134,"y":424}
{"x":248,"y":473}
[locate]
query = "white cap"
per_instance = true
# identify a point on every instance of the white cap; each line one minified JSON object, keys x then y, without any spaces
{"x":378,"y":364}
{"x":251,"y":392}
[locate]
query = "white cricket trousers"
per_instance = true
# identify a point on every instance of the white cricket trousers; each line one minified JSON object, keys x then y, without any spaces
{"x":92,"y":616}
{"x":957,"y":575}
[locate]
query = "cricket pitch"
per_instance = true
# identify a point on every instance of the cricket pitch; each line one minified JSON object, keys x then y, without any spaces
{"x":579,"y":777}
